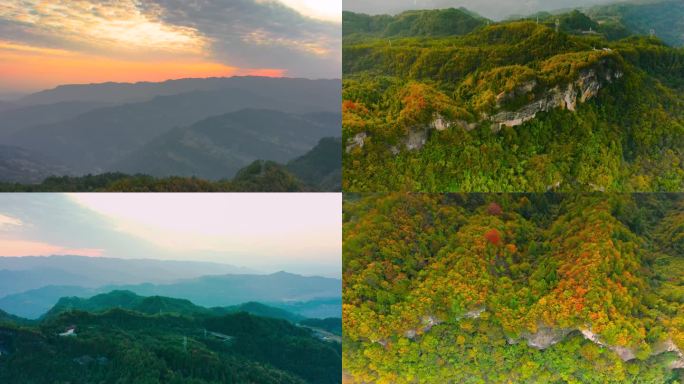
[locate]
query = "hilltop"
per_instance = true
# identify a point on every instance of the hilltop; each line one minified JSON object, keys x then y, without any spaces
{"x":513,"y":106}
{"x":446,"y":22}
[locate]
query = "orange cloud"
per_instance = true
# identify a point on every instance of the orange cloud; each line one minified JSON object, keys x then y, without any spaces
{"x":13,"y":248}
{"x":266,"y":72}
{"x":31,"y":68}
{"x":117,"y":26}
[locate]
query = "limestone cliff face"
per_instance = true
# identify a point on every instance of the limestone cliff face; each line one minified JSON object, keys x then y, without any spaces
{"x":587,"y":86}
{"x":357,"y":141}
{"x":547,"y":336}
{"x":669,"y":346}
{"x":544,"y":337}
{"x":626,"y":354}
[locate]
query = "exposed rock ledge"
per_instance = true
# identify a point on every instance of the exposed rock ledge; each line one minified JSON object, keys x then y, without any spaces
{"x":587,"y":86}
{"x":357,"y":141}
{"x":430,"y":321}
{"x":427,"y":323}
{"x":544,"y":337}
{"x":547,"y":336}
{"x":669,"y":346}
{"x":417,"y":136}
{"x":626,"y":354}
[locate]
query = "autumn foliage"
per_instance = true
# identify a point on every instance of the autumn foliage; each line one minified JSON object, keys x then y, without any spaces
{"x":425,"y":301}
{"x":493,"y":236}
{"x":494,"y":209}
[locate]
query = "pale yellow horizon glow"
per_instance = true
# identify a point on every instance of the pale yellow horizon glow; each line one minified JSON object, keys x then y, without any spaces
{"x":31,"y":68}
{"x":19,"y":248}
{"x":327,"y":10}
{"x":83,"y":42}
{"x":246,"y":228}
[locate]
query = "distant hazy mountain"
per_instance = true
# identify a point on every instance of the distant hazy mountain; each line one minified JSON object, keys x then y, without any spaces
{"x":137,"y":92}
{"x":665,"y":18}
{"x":307,"y":296}
{"x":175,"y":128}
{"x":6,"y":105}
{"x":15,"y":119}
{"x":24,"y":166}
{"x":16,"y":281}
{"x":217,"y":147}
{"x":92,"y":142}
{"x":23,"y":273}
{"x":219,"y":291}
{"x":34,"y":303}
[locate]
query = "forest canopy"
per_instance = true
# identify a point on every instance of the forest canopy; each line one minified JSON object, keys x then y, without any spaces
{"x":525,"y":288}
{"x":120,"y":337}
{"x":508,"y":107}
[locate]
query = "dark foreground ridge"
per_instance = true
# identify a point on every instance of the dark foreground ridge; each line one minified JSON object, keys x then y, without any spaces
{"x":123,"y":337}
{"x":318,"y":170}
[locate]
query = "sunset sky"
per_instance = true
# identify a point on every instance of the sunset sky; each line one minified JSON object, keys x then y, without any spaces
{"x":300,"y":233}
{"x":45,"y":43}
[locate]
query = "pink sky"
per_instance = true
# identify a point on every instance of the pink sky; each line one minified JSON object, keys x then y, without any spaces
{"x":252,"y":230}
{"x":13,"y":248}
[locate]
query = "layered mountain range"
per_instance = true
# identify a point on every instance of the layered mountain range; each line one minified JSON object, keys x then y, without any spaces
{"x":205,"y":128}
{"x":30,"y":286}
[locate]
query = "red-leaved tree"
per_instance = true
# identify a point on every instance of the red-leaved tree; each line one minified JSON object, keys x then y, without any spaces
{"x":493,"y":236}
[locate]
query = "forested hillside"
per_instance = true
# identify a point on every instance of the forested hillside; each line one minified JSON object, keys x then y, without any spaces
{"x":411,"y":23}
{"x":218,"y":147}
{"x":513,"y":106}
{"x":162,"y":340}
{"x":520,"y":288}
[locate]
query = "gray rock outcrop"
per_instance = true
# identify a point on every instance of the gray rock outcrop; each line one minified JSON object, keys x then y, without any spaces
{"x":545,"y":336}
{"x":585,"y":87}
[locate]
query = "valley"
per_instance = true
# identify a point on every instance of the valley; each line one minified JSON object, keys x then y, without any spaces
{"x":208,"y":129}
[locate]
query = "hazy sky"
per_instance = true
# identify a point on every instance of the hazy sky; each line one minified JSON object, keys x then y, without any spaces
{"x":299,"y":233}
{"x":44,"y":43}
{"x":493,"y":9}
